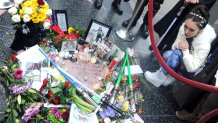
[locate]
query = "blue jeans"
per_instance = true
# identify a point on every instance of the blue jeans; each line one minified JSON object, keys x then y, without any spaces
{"x":172,"y":58}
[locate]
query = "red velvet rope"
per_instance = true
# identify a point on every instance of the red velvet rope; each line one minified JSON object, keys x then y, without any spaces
{"x":208,"y":116}
{"x":165,"y":66}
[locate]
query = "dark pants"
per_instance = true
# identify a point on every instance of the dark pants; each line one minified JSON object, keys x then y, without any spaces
{"x":197,"y":101}
{"x":156,"y":7}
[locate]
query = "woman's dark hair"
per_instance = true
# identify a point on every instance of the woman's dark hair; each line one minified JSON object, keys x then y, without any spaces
{"x":200,"y":15}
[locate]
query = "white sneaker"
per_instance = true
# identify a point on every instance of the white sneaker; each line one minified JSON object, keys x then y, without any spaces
{"x":156,"y":78}
{"x":169,"y":80}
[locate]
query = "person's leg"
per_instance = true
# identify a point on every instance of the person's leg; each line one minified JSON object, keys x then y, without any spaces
{"x":209,"y":104}
{"x":144,"y":26}
{"x":161,"y":77}
{"x":98,"y":3}
{"x":116,"y":6}
{"x":126,"y":22}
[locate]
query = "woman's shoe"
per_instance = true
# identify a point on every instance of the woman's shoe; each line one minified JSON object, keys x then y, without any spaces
{"x":158,"y":78}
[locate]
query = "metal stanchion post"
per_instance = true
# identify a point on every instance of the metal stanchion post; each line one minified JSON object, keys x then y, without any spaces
{"x":124,"y":33}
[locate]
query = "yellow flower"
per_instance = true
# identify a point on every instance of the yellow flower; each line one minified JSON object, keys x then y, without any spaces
{"x":125,"y":106}
{"x":64,"y":110}
{"x":41,"y":17}
{"x":42,"y":11}
{"x":21,"y":12}
{"x":35,"y":20}
{"x":26,"y":4}
{"x":45,"y":6}
{"x":71,"y":30}
{"x":33,"y":15}
{"x":120,"y":98}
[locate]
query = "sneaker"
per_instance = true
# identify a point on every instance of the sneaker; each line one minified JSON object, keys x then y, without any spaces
{"x":156,"y":78}
{"x":169,"y":80}
{"x":184,"y":115}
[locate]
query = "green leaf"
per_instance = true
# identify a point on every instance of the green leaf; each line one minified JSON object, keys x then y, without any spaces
{"x":32,"y":91}
{"x":15,"y":113}
{"x":17,"y":121}
{"x":19,"y":99}
{"x":11,"y":118}
{"x":18,"y":107}
{"x":8,"y":110}
{"x":56,"y":90}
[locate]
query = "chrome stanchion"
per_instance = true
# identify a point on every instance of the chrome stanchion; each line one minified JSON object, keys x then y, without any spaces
{"x":4,"y":4}
{"x":124,"y":33}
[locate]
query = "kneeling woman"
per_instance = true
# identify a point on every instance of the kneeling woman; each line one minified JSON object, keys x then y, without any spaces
{"x":190,"y":49}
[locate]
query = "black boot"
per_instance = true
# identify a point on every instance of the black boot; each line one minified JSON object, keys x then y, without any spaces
{"x":144,"y":30}
{"x":116,"y":6}
{"x":98,"y":4}
{"x":126,"y":22}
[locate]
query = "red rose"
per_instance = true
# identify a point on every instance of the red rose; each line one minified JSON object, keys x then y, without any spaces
{"x":41,"y":2}
{"x":67,"y":84}
{"x":50,"y":93}
{"x":134,"y":77}
{"x":14,"y":57}
{"x":137,"y":84}
{"x":45,"y":81}
{"x":54,"y":101}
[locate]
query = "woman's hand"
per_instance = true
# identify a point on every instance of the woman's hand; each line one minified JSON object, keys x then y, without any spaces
{"x":183,"y":45}
{"x":192,"y":1}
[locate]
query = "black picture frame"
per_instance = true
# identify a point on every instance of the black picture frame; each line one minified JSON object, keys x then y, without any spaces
{"x":96,"y":32}
{"x":60,"y":18}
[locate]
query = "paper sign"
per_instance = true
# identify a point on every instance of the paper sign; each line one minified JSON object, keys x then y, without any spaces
{"x":31,"y":55}
{"x":135,"y":69}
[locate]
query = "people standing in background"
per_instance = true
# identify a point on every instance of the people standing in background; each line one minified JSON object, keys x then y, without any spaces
{"x":144,"y":26}
{"x":115,"y":5}
{"x":161,"y":26}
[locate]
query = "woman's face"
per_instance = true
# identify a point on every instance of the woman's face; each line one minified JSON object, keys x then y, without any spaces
{"x":191,"y":29}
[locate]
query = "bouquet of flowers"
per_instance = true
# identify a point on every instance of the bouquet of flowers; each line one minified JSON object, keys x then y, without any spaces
{"x":34,"y":11}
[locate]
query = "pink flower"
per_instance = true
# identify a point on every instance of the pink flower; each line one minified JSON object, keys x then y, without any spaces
{"x":131,"y":52}
{"x":18,"y":73}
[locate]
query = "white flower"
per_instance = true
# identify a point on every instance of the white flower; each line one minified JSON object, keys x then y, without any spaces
{"x":28,"y":10}
{"x":26,"y":18}
{"x":46,"y":25}
{"x":12,"y":10}
{"x":18,"y":1}
{"x":49,"y":12}
{"x":15,"y":18}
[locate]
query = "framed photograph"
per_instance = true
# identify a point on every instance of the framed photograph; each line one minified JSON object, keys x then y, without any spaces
{"x":96,"y":32}
{"x":69,"y":45}
{"x":60,"y":18}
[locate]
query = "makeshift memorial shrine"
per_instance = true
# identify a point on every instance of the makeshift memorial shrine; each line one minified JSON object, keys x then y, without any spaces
{"x":31,"y":17}
{"x":65,"y":90}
